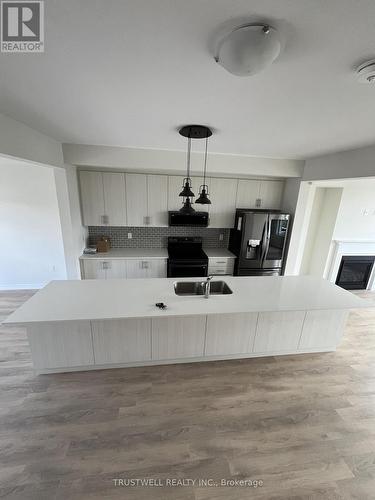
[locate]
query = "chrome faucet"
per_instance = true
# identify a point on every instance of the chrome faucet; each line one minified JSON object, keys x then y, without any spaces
{"x":207,"y":287}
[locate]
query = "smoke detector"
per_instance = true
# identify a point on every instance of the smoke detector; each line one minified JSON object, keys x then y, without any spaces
{"x":366,"y":72}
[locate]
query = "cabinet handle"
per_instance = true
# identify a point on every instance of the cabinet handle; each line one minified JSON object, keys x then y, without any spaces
{"x":106,"y":265}
{"x":105,"y":219}
{"x":221,"y":262}
{"x":258,"y":202}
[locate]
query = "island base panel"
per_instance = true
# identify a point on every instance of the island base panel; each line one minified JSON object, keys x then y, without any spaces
{"x":87,"y":345}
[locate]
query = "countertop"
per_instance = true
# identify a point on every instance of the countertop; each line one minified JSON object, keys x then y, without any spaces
{"x":136,"y":298}
{"x":151,"y":253}
{"x":129,"y":253}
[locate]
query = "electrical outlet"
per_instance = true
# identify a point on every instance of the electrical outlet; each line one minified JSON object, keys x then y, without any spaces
{"x":365,"y":211}
{"x":130,"y":236}
{"x":221,"y":237}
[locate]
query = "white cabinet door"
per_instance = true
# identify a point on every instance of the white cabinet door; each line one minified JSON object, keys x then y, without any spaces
{"x":146,"y":268}
{"x":136,"y":268}
{"x":136,"y":199}
{"x":223,"y":197}
{"x":271,"y":193}
{"x":174,"y":188}
{"x":230,"y":333}
{"x":278,"y":331}
{"x":157,"y":195}
{"x":92,"y":198}
{"x":248,"y":194}
{"x":157,"y":268}
{"x":61,"y":344}
{"x":121,"y":341}
{"x":115,"y":269}
{"x":323,"y":329}
{"x":93,"y":269}
{"x":178,"y":337}
{"x":114,"y":199}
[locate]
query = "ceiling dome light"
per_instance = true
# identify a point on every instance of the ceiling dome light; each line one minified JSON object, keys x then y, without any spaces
{"x":248,"y":49}
{"x":366,"y":72}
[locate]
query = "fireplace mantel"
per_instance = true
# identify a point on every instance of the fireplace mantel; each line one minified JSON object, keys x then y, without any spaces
{"x":350,"y":247}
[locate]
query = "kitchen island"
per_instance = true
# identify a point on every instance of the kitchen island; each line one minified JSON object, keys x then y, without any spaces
{"x":96,"y":324}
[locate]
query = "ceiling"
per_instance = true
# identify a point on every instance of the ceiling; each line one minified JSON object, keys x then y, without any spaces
{"x":128,"y":73}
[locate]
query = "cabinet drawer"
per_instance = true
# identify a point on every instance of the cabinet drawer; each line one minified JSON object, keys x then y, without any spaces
{"x":220,"y":266}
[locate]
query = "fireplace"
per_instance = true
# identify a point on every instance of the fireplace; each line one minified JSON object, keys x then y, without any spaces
{"x":354,"y":272}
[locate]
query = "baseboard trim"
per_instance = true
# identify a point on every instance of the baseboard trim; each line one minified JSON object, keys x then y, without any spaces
{"x":200,"y":359}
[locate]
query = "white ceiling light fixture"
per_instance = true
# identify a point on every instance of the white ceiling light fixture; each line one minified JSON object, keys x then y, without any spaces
{"x":366,"y":72}
{"x":248,"y":49}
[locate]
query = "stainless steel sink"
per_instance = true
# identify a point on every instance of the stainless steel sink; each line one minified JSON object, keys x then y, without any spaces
{"x":198,"y":288}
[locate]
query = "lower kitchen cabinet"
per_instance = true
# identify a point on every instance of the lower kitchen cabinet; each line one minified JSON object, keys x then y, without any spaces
{"x":278,"y":331}
{"x":104,"y":269}
{"x":230,"y":333}
{"x":123,"y":268}
{"x":142,"y":268}
{"x":121,"y":341}
{"x":178,"y":337}
{"x":221,"y":265}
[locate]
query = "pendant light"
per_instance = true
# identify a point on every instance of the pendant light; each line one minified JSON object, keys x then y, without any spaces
{"x":203,"y":190}
{"x":193,"y":132}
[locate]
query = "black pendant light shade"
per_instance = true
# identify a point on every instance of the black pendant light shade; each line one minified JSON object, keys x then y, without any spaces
{"x":187,"y":208}
{"x":186,"y":189}
{"x":203,"y":196}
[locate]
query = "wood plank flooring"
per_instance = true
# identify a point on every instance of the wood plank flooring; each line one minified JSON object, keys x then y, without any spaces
{"x":304,"y":425}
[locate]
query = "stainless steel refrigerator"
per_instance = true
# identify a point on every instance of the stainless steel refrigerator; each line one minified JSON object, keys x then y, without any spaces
{"x":258,"y":240}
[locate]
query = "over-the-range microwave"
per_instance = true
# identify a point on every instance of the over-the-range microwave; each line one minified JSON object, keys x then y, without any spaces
{"x":195,"y":219}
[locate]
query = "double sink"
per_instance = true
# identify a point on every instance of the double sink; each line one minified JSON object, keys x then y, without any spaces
{"x":199,"y":288}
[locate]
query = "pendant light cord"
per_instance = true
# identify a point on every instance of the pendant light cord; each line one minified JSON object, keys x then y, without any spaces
{"x":188,"y":157}
{"x":205,"y":163}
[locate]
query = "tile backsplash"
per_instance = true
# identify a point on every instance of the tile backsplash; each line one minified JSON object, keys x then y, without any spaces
{"x":157,"y":237}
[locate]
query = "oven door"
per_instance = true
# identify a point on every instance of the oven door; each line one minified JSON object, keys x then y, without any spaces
{"x":186,"y":269}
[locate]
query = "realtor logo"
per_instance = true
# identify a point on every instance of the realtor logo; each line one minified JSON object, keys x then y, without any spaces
{"x":22,"y":26}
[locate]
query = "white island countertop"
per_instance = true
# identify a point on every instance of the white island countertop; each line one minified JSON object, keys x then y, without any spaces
{"x":136,"y":298}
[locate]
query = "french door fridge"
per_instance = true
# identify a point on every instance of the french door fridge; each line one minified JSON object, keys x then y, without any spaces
{"x":258,"y":240}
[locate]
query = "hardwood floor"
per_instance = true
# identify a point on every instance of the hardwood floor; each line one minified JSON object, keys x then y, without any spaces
{"x":304,"y":425}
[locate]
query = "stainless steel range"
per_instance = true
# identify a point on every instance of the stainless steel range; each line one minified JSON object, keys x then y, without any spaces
{"x":186,"y":257}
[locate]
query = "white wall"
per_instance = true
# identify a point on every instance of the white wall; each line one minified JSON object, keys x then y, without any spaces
{"x":320,"y":231}
{"x":31,"y":249}
{"x":22,"y":142}
{"x":356,"y":217}
{"x":73,"y":233}
{"x":343,"y":165}
{"x":163,"y":161}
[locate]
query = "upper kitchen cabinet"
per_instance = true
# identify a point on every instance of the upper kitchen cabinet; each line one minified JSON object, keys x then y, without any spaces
{"x":136,"y":199}
{"x":271,"y":193}
{"x":222,"y":193}
{"x":92,"y":198}
{"x":157,"y":197}
{"x":259,"y":194}
{"x":146,"y":199}
{"x":248,"y":194}
{"x":103,"y":198}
